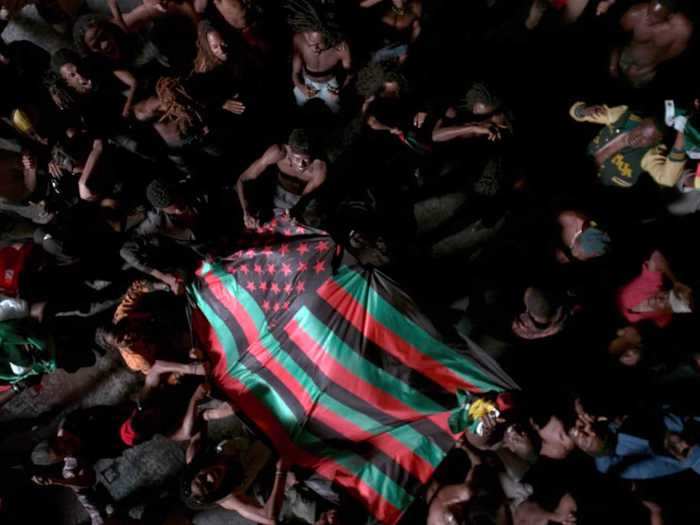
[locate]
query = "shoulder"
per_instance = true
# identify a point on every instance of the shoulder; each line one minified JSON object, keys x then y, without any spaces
{"x":274,"y":153}
{"x":682,"y":26}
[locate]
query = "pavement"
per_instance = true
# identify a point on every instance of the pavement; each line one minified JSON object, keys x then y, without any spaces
{"x":33,"y":415}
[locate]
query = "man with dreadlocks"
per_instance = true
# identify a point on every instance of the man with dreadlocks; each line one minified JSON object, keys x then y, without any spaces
{"x":298,"y":173}
{"x":319,"y":51}
{"x":178,"y":118}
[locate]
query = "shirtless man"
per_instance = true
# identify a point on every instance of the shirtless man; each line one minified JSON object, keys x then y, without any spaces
{"x":401,"y":20}
{"x":298,"y":173}
{"x":659,"y":34}
{"x":319,"y":51}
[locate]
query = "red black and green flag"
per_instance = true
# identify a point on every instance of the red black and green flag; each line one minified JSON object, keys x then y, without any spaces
{"x":334,"y":364}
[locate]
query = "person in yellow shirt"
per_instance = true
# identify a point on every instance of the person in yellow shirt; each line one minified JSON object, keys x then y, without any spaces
{"x":629,"y":145}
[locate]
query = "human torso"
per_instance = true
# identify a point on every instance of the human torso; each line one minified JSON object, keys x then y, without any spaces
{"x":399,"y":24}
{"x":293,"y":180}
{"x":621,"y":166}
{"x":650,"y":42}
{"x":318,"y":66}
{"x":234,"y":12}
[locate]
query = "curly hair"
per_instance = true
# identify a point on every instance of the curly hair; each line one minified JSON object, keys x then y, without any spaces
{"x":178,"y":105}
{"x":205,"y":60}
{"x":371,"y":78}
{"x":306,"y":16}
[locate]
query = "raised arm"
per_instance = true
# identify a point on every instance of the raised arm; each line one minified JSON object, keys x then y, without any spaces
{"x":272,"y":155}
{"x":346,"y":62}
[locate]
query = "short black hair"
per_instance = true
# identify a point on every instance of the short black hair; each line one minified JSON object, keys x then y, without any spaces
{"x":480,"y":93}
{"x":63,"y":57}
{"x":161,"y":194}
{"x":301,"y":141}
{"x":542,"y":303}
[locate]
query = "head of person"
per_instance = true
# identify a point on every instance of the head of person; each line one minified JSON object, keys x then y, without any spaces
{"x":523,"y":441}
{"x":552,"y":420}
{"x":541,"y":306}
{"x":209,"y":479}
{"x":68,"y":66}
{"x":485,"y":106}
{"x":484,"y":506}
{"x":164,"y":196}
{"x":212,"y":48}
{"x":646,"y":135}
{"x":179,"y":107}
{"x":590,"y":439}
{"x":65,"y":443}
{"x":591,"y":243}
{"x":144,"y":422}
{"x":380,"y":78}
{"x":316,"y":22}
{"x":95,"y":35}
{"x":659,"y":11}
{"x":300,"y":151}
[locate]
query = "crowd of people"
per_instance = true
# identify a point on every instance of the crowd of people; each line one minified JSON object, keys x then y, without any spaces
{"x":527,"y":169}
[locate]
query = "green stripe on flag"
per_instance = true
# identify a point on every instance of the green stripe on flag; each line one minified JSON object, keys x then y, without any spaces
{"x":422,"y":341}
{"x":358,"y":466}
{"x":363,"y":368}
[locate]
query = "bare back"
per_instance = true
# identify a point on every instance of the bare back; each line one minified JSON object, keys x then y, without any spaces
{"x":653,"y":44}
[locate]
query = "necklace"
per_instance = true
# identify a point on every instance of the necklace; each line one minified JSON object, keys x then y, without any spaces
{"x":400,"y":11}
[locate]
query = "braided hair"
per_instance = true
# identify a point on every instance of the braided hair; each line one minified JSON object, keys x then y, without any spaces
{"x":372,"y":77}
{"x":178,"y":105}
{"x":307,"y":16}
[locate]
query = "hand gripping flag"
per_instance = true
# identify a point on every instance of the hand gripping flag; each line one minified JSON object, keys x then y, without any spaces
{"x":333,"y":363}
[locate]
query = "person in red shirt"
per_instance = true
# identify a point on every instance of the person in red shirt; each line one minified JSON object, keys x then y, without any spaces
{"x":648,"y":297}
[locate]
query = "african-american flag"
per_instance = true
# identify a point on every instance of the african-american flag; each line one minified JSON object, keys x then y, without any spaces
{"x":334,"y":364}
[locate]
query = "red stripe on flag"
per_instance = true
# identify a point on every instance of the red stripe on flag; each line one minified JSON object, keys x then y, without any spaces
{"x":391,"y":446}
{"x":384,"y":511}
{"x":356,"y":314}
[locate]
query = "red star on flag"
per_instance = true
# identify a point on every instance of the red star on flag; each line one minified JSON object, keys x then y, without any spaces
{"x":276,"y":307}
{"x":274,"y":288}
{"x":288,"y":288}
{"x":262,"y":286}
{"x":257,"y":269}
{"x":267,"y":249}
{"x":302,"y":248}
{"x":266,"y":305}
{"x":322,"y":246}
{"x":284,"y":249}
{"x":271,"y":269}
{"x":250,"y":253}
{"x":300,"y":287}
{"x":303,"y":266}
{"x":319,"y":266}
{"x":251,"y":286}
{"x":244,"y":269}
{"x":286,"y":270}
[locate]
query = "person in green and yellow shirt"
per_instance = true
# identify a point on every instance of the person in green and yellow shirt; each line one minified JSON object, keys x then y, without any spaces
{"x":630,"y":145}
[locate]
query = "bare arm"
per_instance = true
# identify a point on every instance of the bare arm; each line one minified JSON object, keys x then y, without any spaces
{"x":130,"y":81}
{"x":297,"y":67}
{"x":318,"y":179}
{"x":272,"y":156}
{"x":184,"y":433}
{"x":160,"y":368}
{"x":84,"y":182}
{"x":346,"y":62}
{"x":117,"y":14}
{"x":370,"y":3}
{"x":266,"y":515}
{"x":442,"y":133}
